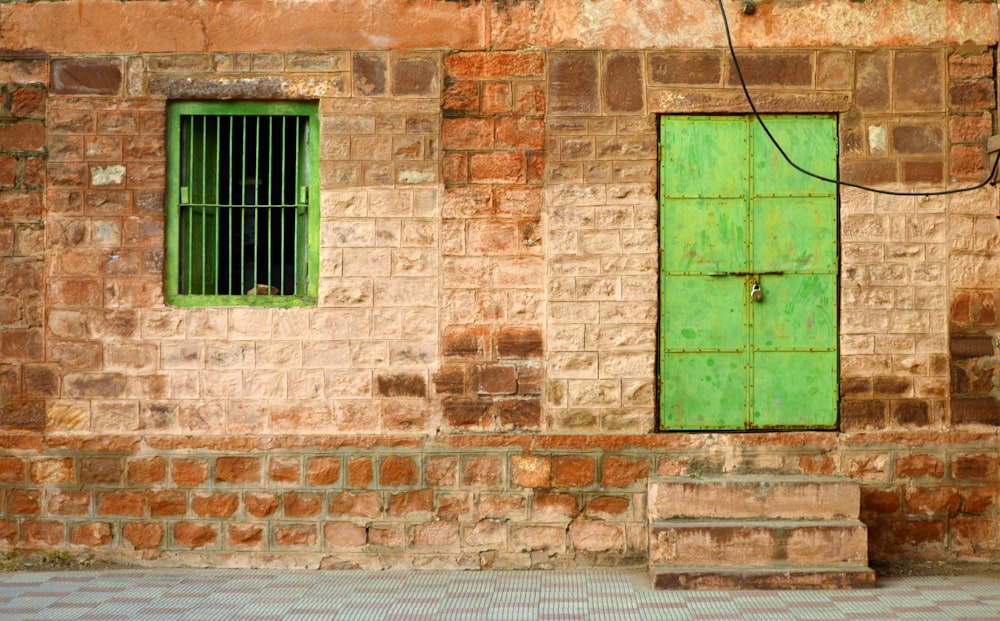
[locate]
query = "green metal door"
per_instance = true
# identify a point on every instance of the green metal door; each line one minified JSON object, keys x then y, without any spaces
{"x":748,"y":274}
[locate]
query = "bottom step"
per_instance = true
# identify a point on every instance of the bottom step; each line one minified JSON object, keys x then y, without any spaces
{"x":766,"y":578}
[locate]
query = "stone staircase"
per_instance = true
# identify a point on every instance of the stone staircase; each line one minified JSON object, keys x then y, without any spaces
{"x":757,"y":532}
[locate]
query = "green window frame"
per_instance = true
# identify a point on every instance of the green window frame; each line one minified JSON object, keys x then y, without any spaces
{"x":242,"y":204}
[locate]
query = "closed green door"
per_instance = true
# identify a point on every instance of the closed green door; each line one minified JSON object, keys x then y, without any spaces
{"x":748,"y":282}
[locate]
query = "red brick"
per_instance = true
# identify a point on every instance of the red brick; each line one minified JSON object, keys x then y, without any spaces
{"x":530,"y":471}
{"x":494,"y":379}
{"x":467,"y":134}
{"x":518,"y":413}
{"x":260,"y":504}
{"x":923,"y":172}
{"x":913,"y":466}
{"x":467,"y":413}
{"x":397,"y":471}
{"x":817,"y":464}
{"x":189,"y":472}
{"x":595,"y":536}
{"x":972,"y":128}
{"x":12,"y":470}
{"x":23,"y":136}
{"x":52,"y":471}
{"x":860,"y":415}
{"x":931,"y":500}
{"x":869,"y":172}
{"x":461,"y":96}
{"x":97,"y":76}
{"x":519,"y":343}
{"x":456,"y":506}
{"x":409,"y":502}
{"x":971,"y":95}
{"x":360,"y":472}
{"x":558,"y":507}
{"x":8,"y":169}
{"x":520,"y":133}
{"x":573,"y":471}
{"x":215,"y":505}
{"x":283,"y":469}
{"x":435,"y":535}
{"x":492,"y":65}
{"x":244,"y":536}
{"x":401,"y":384}
{"x":386,"y":537}
{"x":917,"y":532}
{"x":968,"y":162}
{"x":69,"y":503}
{"x":496,"y":98}
{"x":969,"y":64}
{"x":167,"y":503}
{"x":975,"y":467}
{"x":872,"y":81}
{"x":91,"y":535}
{"x":498,"y":167}
{"x":194,"y":535}
{"x":538,"y":537}
{"x":573,"y":83}
{"x":237,"y":469}
{"x":301,"y":504}
{"x":345,"y":534}
{"x":143,"y":535}
{"x":43,"y":532}
{"x":145,"y":471}
{"x":879,"y":500}
{"x":360,"y":504}
{"x":607,"y":507}
{"x":623,"y":86}
{"x":441,"y":471}
{"x":623,"y":472}
{"x":34,"y":171}
{"x":323,"y":471}
{"x":977,"y":533}
{"x":466,"y":342}
{"x":297,"y":535}
{"x":483,"y":471}
{"x":978,"y":500}
{"x":917,"y":81}
{"x":8,"y":531}
{"x":121,"y":503}
{"x":455,"y":168}
{"x":28,"y":102}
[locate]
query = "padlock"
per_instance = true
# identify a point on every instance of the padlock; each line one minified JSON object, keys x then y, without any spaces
{"x":756,"y":293}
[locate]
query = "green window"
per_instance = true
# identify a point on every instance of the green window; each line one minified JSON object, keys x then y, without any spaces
{"x":242,"y":204}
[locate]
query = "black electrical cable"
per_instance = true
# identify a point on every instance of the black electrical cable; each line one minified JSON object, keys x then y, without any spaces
{"x":746,"y":92}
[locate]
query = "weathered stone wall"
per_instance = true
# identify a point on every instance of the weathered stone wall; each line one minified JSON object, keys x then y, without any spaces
{"x":476,"y":386}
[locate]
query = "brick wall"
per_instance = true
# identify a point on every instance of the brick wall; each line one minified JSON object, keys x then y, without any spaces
{"x":476,"y":385}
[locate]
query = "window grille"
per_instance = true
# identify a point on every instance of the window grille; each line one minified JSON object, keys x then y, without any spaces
{"x":242,"y":223}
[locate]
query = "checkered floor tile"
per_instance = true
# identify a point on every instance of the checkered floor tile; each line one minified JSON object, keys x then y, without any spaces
{"x":612,"y":595}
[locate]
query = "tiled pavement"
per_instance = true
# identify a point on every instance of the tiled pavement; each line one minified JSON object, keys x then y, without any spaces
{"x":614,"y":594}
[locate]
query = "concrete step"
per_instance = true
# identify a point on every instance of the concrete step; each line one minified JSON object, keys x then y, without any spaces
{"x":754,"y":543}
{"x":756,"y":496}
{"x":783,"y":578}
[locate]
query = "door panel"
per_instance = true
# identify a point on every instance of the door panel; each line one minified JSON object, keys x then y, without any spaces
{"x":687,"y":327}
{"x":733,"y":215}
{"x":794,"y":390}
{"x":705,"y":236}
{"x":703,"y":390}
{"x":795,"y":234}
{"x":798,"y":311}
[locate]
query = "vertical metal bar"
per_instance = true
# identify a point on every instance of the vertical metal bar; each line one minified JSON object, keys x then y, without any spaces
{"x":204,"y":198}
{"x":256,"y":202}
{"x":217,"y":169}
{"x":270,"y":210}
{"x":230,"y":201}
{"x":243,"y":209}
{"x":282,"y":210}
{"x":190,"y":225}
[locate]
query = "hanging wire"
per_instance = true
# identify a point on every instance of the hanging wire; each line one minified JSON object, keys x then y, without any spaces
{"x":991,"y":179}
